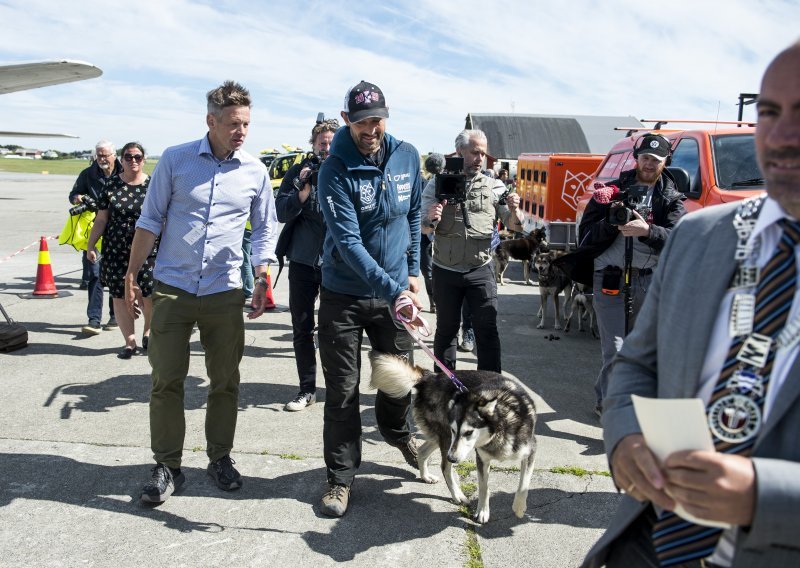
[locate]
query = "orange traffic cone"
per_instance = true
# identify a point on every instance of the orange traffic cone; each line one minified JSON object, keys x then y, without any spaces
{"x":45,"y":284}
{"x":270,"y":303}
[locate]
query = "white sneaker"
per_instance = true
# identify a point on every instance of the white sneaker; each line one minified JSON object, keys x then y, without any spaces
{"x":301,"y":401}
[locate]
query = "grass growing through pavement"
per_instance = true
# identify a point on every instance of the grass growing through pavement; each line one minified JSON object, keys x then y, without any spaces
{"x":578,"y":471}
{"x":473,"y":547}
{"x":290,"y":457}
{"x":465,"y":468}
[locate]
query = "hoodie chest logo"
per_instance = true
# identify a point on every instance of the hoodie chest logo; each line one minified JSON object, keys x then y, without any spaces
{"x":367,"y":194}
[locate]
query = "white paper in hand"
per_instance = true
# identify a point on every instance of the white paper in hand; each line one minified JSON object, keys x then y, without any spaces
{"x":674,"y":424}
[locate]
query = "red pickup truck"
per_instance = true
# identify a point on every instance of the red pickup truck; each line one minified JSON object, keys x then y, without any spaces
{"x":709,"y":166}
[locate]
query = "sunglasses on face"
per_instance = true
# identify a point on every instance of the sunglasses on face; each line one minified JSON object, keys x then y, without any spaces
{"x":132,"y":157}
{"x":104,"y":156}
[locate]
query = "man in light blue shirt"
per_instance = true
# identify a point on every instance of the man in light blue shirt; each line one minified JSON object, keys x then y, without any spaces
{"x":201,"y":195}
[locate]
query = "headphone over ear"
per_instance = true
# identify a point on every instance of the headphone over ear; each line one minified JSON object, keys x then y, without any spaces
{"x":637,"y":147}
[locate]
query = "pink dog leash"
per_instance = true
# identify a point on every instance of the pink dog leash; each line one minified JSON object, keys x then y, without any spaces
{"x":411,"y":326}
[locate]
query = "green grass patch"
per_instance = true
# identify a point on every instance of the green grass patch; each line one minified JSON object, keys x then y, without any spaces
{"x":508,"y":469}
{"x":290,"y":457}
{"x":197,"y":449}
{"x":465,"y":468}
{"x":55,"y":167}
{"x":578,"y":471}
{"x":472,"y":547}
{"x":264,"y":453}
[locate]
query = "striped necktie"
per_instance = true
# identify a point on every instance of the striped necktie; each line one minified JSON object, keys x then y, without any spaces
{"x":675,"y":539}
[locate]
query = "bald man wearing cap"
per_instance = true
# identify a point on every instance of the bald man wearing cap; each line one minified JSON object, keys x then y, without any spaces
{"x":370,"y":191}
{"x":600,"y":259}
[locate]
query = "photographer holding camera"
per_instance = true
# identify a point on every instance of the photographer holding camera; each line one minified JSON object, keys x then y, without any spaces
{"x":633,"y":214}
{"x":461,"y":209}
{"x":301,"y":242}
{"x":89,"y":186}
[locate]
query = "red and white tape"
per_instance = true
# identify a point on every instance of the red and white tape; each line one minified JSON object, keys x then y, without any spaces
{"x":23,"y":249}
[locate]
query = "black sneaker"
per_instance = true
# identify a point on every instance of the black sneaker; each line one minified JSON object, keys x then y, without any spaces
{"x":224,"y":474}
{"x":111,"y":324}
{"x":163,"y":483}
{"x":335,"y":500}
{"x":410,"y":451}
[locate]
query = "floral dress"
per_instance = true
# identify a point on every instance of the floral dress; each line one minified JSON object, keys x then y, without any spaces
{"x":124,"y":205}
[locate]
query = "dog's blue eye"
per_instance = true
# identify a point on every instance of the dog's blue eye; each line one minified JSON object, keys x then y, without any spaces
{"x":468,"y":433}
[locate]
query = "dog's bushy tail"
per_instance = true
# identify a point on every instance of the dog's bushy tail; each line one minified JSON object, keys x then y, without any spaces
{"x":392,"y":374}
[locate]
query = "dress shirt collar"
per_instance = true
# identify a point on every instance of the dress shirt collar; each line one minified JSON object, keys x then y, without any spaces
{"x":771,"y":213}
{"x":205,"y":148}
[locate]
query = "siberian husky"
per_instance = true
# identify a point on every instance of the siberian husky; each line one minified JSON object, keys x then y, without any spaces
{"x":519,"y":249}
{"x":552,"y":281}
{"x":495,"y":417}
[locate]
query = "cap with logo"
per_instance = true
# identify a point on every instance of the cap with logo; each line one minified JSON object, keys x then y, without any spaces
{"x":656,"y":146}
{"x":365,"y":100}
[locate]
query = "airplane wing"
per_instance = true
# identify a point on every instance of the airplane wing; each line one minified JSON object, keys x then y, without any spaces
{"x":6,"y":133}
{"x":32,"y":75}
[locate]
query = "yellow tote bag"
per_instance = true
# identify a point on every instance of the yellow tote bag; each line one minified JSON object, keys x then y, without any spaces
{"x":77,"y":229}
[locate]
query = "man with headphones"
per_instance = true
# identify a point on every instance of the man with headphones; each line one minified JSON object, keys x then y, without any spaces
{"x":642,"y":205}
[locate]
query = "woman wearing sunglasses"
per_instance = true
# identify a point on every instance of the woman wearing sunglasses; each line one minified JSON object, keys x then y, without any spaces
{"x":119,"y":207}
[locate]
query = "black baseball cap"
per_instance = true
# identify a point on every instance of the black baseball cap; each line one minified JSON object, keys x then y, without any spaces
{"x":655,"y":145}
{"x":365,"y":100}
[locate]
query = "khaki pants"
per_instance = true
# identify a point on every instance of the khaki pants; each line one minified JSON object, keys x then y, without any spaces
{"x":219,"y":319}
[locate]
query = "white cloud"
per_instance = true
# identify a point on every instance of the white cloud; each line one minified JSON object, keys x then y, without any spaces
{"x":435,"y":60}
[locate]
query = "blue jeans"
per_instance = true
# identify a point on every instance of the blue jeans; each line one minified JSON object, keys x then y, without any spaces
{"x":94,"y":310}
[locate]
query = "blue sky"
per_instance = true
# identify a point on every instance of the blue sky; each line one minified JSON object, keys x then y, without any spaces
{"x":435,"y":60}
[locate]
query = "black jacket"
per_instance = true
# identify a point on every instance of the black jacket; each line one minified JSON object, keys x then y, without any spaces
{"x":303,"y":234}
{"x":595,"y":234}
{"x":92,"y":182}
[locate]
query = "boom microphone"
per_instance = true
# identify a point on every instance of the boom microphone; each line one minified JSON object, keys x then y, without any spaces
{"x":434,"y":163}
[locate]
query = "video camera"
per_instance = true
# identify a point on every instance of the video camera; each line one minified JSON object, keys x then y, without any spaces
{"x":620,"y":210}
{"x":312,"y":162}
{"x":88,"y":204}
{"x":451,"y":184}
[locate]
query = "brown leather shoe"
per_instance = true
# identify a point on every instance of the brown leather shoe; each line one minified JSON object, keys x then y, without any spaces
{"x":334,"y":502}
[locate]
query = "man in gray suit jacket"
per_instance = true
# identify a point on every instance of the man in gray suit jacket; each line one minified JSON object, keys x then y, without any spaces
{"x":677,"y":350}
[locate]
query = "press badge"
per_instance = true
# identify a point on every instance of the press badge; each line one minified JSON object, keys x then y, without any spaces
{"x":194,"y":235}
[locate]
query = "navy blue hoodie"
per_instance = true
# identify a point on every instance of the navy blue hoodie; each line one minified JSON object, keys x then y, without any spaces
{"x":373,"y":218}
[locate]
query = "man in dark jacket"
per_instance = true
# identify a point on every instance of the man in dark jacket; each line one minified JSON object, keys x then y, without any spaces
{"x":90,"y":184}
{"x":655,"y":207}
{"x":301,"y":242}
{"x":369,"y":190}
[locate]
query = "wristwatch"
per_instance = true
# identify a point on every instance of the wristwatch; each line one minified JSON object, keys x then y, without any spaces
{"x":261,"y":281}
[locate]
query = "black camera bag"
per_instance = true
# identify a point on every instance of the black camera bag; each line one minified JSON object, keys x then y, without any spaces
{"x":13,"y":336}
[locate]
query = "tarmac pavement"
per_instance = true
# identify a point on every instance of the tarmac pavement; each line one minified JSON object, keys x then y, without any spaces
{"x":74,"y":441}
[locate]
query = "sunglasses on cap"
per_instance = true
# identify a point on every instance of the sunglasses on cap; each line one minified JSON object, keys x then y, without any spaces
{"x":132,"y":157}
